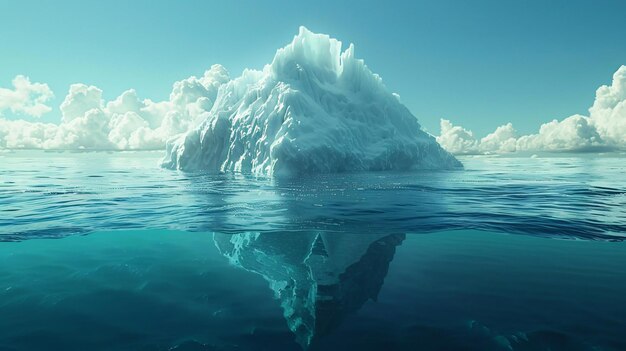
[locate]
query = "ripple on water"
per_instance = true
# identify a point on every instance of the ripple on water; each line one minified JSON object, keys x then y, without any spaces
{"x":575,"y":197}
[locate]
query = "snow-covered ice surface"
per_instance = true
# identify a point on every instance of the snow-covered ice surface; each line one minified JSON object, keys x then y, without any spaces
{"x":314,"y":109}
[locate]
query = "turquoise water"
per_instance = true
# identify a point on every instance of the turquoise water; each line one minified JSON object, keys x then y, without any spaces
{"x":462,"y":290}
{"x":508,"y":254}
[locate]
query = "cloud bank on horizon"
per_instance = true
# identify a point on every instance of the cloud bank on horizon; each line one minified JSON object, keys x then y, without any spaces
{"x":88,"y":122}
{"x":603,"y":130}
{"x":130,"y":123}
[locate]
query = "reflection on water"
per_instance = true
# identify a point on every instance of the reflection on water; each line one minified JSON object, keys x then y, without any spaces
{"x":318,"y":278}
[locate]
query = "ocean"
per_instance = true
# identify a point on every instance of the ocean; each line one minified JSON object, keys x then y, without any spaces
{"x":510,"y":253}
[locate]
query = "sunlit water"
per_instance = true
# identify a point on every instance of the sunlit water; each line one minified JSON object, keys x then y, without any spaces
{"x":455,"y":260}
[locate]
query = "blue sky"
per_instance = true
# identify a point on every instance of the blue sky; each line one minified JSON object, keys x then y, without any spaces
{"x":479,"y":63}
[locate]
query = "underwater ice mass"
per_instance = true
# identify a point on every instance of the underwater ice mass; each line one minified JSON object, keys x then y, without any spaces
{"x":314,"y":109}
{"x":318,"y":277}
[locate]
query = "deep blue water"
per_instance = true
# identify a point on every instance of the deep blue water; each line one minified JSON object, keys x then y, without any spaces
{"x":509,"y":254}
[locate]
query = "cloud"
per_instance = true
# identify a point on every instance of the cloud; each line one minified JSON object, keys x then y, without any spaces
{"x":575,"y":133}
{"x":130,"y":123}
{"x":456,"y":139}
{"x":608,"y":113}
{"x":461,"y":141}
{"x":125,"y":123}
{"x":504,"y":139}
{"x":26,"y":98}
{"x":80,"y":99}
{"x":604,"y":129}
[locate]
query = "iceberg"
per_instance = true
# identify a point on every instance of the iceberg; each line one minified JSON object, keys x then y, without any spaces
{"x":319,"y":278}
{"x":314,"y":109}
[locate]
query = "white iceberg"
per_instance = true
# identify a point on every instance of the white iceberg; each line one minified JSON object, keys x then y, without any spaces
{"x":314,"y":109}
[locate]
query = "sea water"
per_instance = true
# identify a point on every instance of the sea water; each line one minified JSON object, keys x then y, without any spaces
{"x":511,"y":253}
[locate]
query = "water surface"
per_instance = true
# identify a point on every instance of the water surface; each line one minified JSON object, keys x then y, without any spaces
{"x":512,"y":253}
{"x":50,"y":194}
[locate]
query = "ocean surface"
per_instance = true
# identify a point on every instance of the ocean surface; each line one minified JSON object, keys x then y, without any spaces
{"x":511,"y":253}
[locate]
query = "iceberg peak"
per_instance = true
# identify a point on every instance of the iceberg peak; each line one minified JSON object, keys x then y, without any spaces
{"x":321,"y":58}
{"x":310,"y":51}
{"x":314,"y":109}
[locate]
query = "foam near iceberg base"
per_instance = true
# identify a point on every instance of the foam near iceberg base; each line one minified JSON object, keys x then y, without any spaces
{"x":314,"y":109}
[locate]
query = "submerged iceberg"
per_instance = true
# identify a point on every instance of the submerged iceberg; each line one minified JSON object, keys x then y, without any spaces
{"x":314,"y":109}
{"x":319,"y":278}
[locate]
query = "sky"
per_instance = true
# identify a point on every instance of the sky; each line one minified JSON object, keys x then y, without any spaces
{"x":480,"y":64}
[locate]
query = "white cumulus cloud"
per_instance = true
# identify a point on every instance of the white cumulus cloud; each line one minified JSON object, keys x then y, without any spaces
{"x":608,"y":113}
{"x":125,"y":123}
{"x":603,"y":129}
{"x":26,"y":97}
{"x":456,"y":139}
